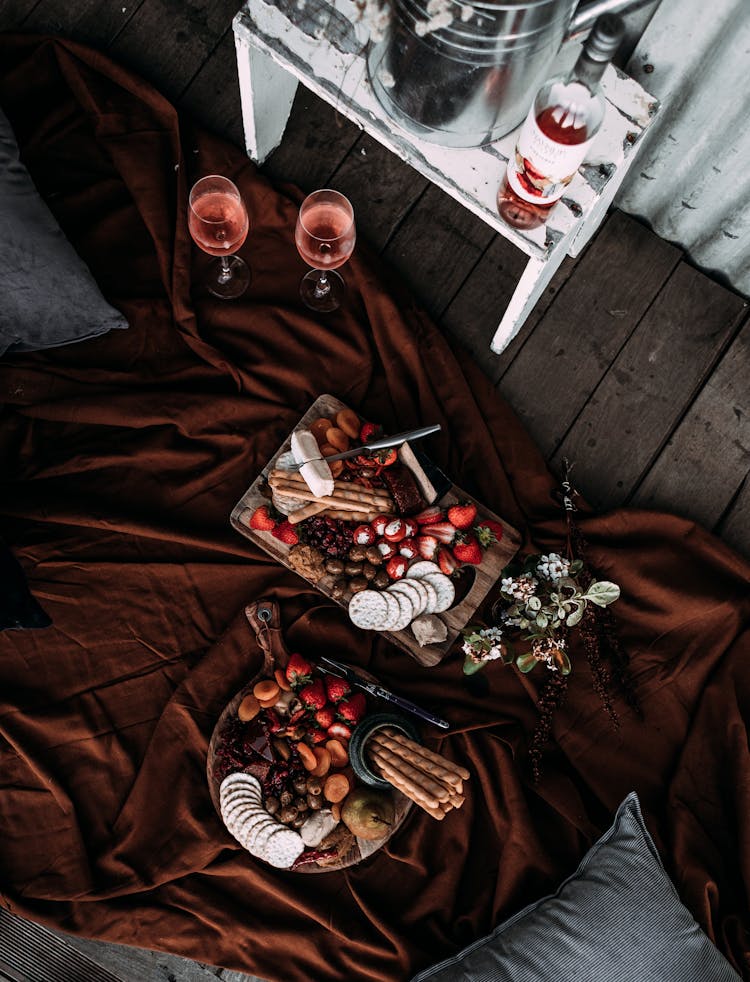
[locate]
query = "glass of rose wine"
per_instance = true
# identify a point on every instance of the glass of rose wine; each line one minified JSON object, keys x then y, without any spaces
{"x":325,"y":238}
{"x":218,"y":223}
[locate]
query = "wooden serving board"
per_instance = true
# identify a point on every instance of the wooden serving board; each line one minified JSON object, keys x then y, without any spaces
{"x":276,"y":655}
{"x":469,"y":594}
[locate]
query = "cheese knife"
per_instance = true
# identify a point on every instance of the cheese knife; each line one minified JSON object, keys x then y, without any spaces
{"x":382,"y":444}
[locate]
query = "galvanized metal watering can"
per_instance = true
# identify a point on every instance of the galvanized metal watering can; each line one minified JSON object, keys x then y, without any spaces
{"x":472,"y":80}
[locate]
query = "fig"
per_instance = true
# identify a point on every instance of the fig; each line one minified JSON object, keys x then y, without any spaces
{"x":368,"y":813}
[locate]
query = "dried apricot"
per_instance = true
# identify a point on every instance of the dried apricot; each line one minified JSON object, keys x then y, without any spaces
{"x":265,"y":690}
{"x":324,"y":762}
{"x":249,"y":708}
{"x":348,"y":421}
{"x":337,"y":438}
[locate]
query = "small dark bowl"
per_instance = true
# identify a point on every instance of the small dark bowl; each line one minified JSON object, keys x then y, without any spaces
{"x":363,"y":732}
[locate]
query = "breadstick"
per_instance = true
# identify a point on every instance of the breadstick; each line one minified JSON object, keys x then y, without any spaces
{"x":349,"y":492}
{"x":438,"y":766}
{"x":307,"y":511}
{"x":394,"y":778}
{"x":293,"y":477}
{"x":351,"y":516}
{"x":437,"y":791}
{"x":429,"y":755}
{"x":339,"y":503}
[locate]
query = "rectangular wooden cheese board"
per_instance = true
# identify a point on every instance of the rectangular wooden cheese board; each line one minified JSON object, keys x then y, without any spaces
{"x":473,"y":583}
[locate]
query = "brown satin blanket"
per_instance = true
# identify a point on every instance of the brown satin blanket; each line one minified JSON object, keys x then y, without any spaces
{"x":121,"y":460}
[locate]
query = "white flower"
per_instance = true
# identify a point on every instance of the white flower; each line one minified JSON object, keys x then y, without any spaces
{"x":553,"y":567}
{"x":520,"y":588}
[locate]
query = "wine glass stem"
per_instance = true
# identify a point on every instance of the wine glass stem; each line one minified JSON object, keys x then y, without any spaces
{"x":322,"y":287}
{"x":226,"y":272}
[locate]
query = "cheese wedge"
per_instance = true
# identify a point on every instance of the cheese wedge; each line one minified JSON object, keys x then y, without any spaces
{"x":305,"y":446}
{"x":318,"y":477}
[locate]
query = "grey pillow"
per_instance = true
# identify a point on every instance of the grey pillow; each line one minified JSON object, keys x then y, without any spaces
{"x":47,"y":294}
{"x":616,"y":919}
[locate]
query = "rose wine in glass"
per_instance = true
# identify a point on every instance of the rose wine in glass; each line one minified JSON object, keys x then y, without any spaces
{"x":218,"y":223}
{"x":325,"y":237}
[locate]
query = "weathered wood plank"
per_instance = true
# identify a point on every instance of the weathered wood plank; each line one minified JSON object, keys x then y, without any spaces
{"x":734,"y":527}
{"x":167,"y":41}
{"x":14,"y":12}
{"x":572,"y":347}
{"x":87,"y":21}
{"x":643,"y":395}
{"x":437,"y":248}
{"x":139,"y":963}
{"x":701,"y":468}
{"x":213,"y":97}
{"x":381,"y":187}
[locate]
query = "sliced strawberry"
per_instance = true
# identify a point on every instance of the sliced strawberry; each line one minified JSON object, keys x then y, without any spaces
{"x":447,"y":562}
{"x":430,"y":515}
{"x":467,"y":550}
{"x":298,"y":670}
{"x":442,"y":531}
{"x":285,"y":533}
{"x":364,"y":535}
{"x":369,"y":431}
{"x":340,"y":731}
{"x":386,"y":549}
{"x":395,"y":530}
{"x":352,"y":710}
{"x":318,"y":736}
{"x":274,"y":723}
{"x":314,"y":695}
{"x":378,"y":524}
{"x":411,"y":527}
{"x":396,"y":567}
{"x":336,"y":688}
{"x":297,"y":717}
{"x":462,"y":515}
{"x":427,"y":545}
{"x":324,"y":717}
{"x":488,"y":531}
{"x":408,"y":549}
{"x":261,"y":519}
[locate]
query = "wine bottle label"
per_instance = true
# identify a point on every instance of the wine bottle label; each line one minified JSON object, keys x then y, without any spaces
{"x":543,"y":168}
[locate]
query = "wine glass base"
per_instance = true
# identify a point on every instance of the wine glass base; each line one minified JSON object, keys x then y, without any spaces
{"x":323,"y":301}
{"x":231,"y":286}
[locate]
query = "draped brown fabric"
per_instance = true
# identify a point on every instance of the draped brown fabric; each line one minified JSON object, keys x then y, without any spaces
{"x":121,"y":460}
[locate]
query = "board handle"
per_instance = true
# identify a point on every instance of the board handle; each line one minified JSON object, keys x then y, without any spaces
{"x":264,"y":618}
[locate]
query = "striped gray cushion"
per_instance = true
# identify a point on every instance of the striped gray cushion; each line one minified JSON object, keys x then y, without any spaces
{"x":617,"y":919}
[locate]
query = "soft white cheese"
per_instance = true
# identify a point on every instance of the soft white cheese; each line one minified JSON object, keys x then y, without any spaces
{"x":304,"y":446}
{"x":318,"y":477}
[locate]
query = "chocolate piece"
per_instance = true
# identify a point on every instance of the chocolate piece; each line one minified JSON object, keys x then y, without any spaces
{"x":403,"y":488}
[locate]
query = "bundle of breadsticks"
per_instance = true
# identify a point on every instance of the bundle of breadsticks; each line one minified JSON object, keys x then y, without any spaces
{"x":431,"y":781}
{"x":350,"y":502}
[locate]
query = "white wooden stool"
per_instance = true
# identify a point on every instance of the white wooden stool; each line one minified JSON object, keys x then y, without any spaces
{"x":320,"y":44}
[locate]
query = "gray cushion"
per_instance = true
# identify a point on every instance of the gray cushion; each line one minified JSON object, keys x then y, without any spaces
{"x":617,"y":919}
{"x":47,"y":295}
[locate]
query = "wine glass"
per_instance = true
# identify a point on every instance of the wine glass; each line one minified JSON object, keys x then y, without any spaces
{"x":325,"y":237}
{"x":218,"y":223}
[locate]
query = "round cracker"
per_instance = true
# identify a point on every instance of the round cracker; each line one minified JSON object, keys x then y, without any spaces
{"x":432,"y":595}
{"x":241,"y":792}
{"x":406,"y":607}
{"x":368,"y":609}
{"x":283,"y":847}
{"x":446,"y":592}
{"x":417,"y":570}
{"x":237,"y":778}
{"x":394,"y":612}
{"x":415,"y":591}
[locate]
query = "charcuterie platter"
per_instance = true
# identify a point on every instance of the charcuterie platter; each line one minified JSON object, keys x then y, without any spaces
{"x":373,"y":532}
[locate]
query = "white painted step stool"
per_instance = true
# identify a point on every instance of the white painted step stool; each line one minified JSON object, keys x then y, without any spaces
{"x":320,"y":44}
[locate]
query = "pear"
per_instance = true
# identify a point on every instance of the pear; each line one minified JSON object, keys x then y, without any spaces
{"x":368,"y":813}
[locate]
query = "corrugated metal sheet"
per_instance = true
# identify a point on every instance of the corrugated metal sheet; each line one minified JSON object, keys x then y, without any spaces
{"x":691,"y":180}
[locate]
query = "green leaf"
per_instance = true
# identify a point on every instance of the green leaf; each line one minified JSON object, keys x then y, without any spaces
{"x":526,"y":662}
{"x":534,"y":603}
{"x":565,"y":667}
{"x":471,"y":667}
{"x":575,"y":567}
{"x":575,"y":617}
{"x":602,"y":593}
{"x":542,"y":620}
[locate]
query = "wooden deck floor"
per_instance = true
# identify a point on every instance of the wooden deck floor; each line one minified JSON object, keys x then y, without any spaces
{"x":634,"y":365}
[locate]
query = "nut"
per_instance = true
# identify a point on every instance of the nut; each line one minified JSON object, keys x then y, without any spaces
{"x":353,"y":569}
{"x":369,"y":571}
{"x":381,"y":579}
{"x":315,"y":802}
{"x":372,"y":555}
{"x":285,"y":799}
{"x":359,"y":583}
{"x":287,"y":815}
{"x":272,"y":805}
{"x":339,"y":588}
{"x":356,"y":554}
{"x":335,"y":567}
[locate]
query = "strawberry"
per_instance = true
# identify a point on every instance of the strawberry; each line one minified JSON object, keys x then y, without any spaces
{"x":274,"y":723}
{"x":352,"y":710}
{"x":336,"y":688}
{"x":262,"y":520}
{"x":467,"y":550}
{"x":314,"y":695}
{"x":339,"y":731}
{"x":411,"y":527}
{"x":427,"y":546}
{"x":395,"y":530}
{"x":488,"y":532}
{"x":318,"y":736}
{"x":463,"y":515}
{"x":396,"y":567}
{"x":369,"y":431}
{"x":298,"y":670}
{"x":378,"y":524}
{"x":430,"y":515}
{"x":408,"y":549}
{"x":364,"y":535}
{"x":442,"y":531}
{"x":285,"y":533}
{"x":325,"y":717}
{"x":447,"y":562}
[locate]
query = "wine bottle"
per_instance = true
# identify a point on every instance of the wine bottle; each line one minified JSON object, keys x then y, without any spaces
{"x":558,"y":131}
